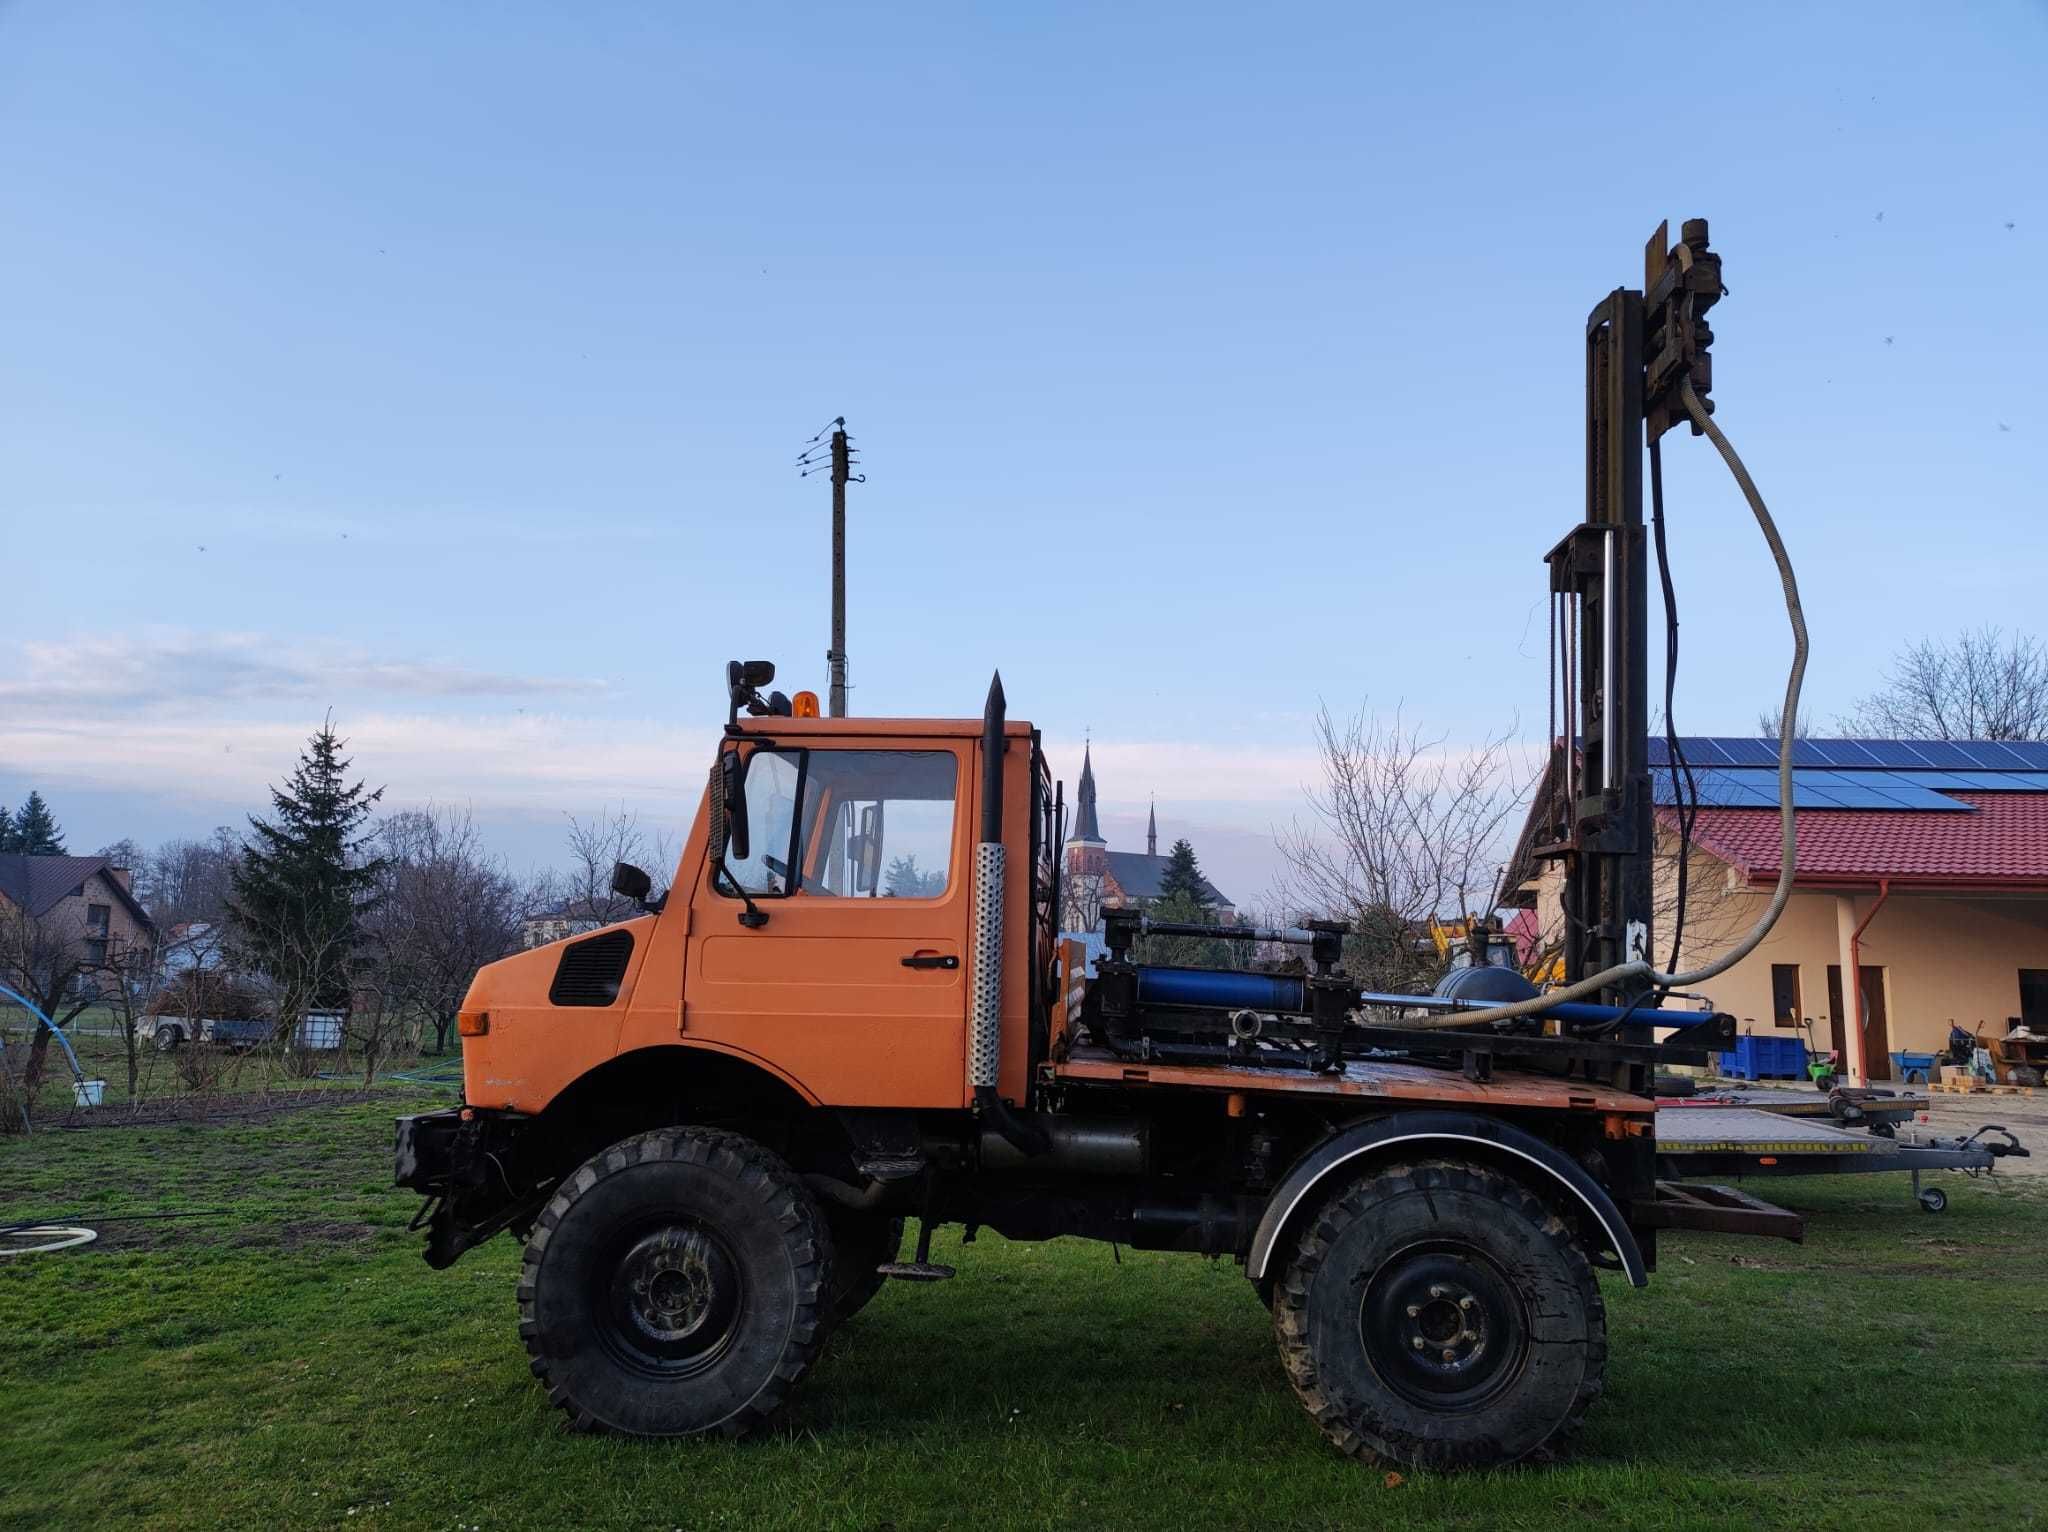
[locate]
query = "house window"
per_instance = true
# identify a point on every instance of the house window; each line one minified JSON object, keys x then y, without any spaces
{"x":2034,"y":998}
{"x":96,"y":918}
{"x":1785,"y":1008}
{"x":96,"y":952}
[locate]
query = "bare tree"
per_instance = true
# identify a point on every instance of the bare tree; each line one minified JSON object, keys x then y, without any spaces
{"x":190,"y":881}
{"x":1401,"y":829}
{"x":127,"y":982}
{"x":48,"y":959}
{"x":583,"y":890}
{"x":1770,"y":725}
{"x":1979,"y":685}
{"x":448,"y":907}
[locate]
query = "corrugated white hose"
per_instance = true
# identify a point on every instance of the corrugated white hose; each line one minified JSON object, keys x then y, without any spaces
{"x":1789,"y":845}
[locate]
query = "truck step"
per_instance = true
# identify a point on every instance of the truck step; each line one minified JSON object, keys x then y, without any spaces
{"x":915,"y":1271}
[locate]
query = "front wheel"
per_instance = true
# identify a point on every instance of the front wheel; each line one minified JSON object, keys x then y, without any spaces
{"x":168,"y":1038}
{"x":861,"y":1242}
{"x":1440,"y":1315}
{"x":676,"y":1284}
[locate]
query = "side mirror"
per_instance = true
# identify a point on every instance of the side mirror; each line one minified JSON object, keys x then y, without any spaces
{"x":732,"y":794}
{"x":631,"y":882}
{"x":867,"y":850}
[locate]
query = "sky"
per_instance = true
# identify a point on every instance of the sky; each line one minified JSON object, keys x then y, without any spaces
{"x":444,"y":367}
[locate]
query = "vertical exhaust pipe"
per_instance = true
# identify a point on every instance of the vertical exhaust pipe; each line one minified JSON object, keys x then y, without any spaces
{"x":985,"y":1016}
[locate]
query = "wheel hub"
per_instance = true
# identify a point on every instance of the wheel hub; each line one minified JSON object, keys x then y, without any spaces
{"x":673,"y":1297}
{"x":1443,"y":1327}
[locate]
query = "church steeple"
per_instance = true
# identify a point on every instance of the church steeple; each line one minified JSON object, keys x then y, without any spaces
{"x":1085,"y":827}
{"x":1152,"y":831}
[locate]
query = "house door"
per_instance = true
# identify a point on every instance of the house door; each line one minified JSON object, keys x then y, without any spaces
{"x":1877,"y":1056}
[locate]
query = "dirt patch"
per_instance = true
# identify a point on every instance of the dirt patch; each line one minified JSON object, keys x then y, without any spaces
{"x":322,"y":1233}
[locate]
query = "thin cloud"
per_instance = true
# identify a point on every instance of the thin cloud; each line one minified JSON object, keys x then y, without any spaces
{"x":170,"y":670}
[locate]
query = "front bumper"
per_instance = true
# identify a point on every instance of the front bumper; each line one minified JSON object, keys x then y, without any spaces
{"x":466,"y":1162}
{"x":426,"y":1149}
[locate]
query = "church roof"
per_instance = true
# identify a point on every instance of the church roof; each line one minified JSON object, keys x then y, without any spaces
{"x":1085,"y":827}
{"x":1139,"y":876}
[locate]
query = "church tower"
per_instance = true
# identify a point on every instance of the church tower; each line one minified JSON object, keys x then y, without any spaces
{"x":1152,"y":831}
{"x":1085,"y":847}
{"x":1087,"y":857}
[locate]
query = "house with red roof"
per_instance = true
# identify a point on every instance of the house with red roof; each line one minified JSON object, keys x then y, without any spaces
{"x":1921,"y":868}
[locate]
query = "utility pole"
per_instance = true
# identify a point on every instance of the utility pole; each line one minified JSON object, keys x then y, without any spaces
{"x":835,"y":657}
{"x":839,"y":459}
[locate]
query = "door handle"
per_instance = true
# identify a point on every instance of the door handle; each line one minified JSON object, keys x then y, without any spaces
{"x":931,"y":960}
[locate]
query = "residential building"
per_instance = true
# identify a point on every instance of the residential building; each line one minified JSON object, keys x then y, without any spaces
{"x":571,"y":918}
{"x":1922,"y":868}
{"x":76,"y":911}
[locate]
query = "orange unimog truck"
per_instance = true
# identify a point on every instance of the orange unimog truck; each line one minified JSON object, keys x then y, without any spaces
{"x":852,"y":1008}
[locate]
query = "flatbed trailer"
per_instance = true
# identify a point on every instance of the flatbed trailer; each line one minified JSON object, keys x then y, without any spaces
{"x":1848,"y":1107}
{"x":1738,"y":1142}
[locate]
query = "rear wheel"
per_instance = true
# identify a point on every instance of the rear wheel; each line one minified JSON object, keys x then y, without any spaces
{"x":675,"y":1284}
{"x":168,"y":1038}
{"x":1440,"y":1315}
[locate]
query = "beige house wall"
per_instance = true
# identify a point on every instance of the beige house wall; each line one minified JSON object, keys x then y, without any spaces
{"x":1945,"y":957}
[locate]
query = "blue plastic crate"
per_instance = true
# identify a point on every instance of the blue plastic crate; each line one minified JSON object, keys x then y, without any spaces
{"x":1765,"y":1058}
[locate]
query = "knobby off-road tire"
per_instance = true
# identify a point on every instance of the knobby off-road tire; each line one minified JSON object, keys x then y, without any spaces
{"x":860,"y":1243}
{"x":676,"y":1284}
{"x":1440,"y":1315}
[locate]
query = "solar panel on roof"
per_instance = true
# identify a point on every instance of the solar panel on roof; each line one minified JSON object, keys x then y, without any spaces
{"x":1941,"y":752}
{"x":1846,"y":753}
{"x":1994,"y":755}
{"x":1927,"y":798}
{"x":1808,"y":752}
{"x":2033,"y":753}
{"x":1890,"y":752}
{"x":1751,"y":752}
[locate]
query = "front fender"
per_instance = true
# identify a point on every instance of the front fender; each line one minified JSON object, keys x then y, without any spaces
{"x":1475,"y":1137}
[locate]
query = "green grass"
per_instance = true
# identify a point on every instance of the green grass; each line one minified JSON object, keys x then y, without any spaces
{"x":295,"y":1362}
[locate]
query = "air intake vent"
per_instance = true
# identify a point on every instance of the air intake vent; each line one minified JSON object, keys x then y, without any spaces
{"x":590,"y":971}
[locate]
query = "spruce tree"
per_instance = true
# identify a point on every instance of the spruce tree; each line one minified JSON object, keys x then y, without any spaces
{"x":6,"y":829}
{"x":34,"y":830}
{"x":1183,"y":876}
{"x":303,"y":884}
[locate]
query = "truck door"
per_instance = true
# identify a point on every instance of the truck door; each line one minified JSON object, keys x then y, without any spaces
{"x":854,"y":985}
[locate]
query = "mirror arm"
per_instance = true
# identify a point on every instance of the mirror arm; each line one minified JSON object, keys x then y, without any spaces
{"x":752,"y":916}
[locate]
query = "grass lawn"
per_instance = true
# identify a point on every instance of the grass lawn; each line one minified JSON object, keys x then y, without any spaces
{"x":294,"y":1363}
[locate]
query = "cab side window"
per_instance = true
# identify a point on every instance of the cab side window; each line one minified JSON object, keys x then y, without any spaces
{"x":846,"y":824}
{"x":880,"y":824}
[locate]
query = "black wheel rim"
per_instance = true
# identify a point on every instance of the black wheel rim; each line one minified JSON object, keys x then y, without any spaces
{"x":670,"y":1298}
{"x":1444,"y":1327}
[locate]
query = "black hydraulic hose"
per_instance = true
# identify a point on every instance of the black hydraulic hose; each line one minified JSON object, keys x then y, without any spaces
{"x":1687,"y":791}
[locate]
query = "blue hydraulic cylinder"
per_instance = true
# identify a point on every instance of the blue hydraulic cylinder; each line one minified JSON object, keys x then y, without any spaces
{"x":1219,"y":987}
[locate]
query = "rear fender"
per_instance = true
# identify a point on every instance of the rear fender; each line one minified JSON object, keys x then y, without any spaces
{"x":1344,"y":1156}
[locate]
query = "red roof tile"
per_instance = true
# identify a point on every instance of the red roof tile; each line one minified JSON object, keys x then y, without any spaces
{"x":2004,"y":840}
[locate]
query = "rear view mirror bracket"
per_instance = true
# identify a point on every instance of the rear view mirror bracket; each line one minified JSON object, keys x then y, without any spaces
{"x":728,"y":824}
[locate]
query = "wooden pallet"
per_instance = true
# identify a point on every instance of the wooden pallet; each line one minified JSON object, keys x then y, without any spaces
{"x":1982,"y":1090}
